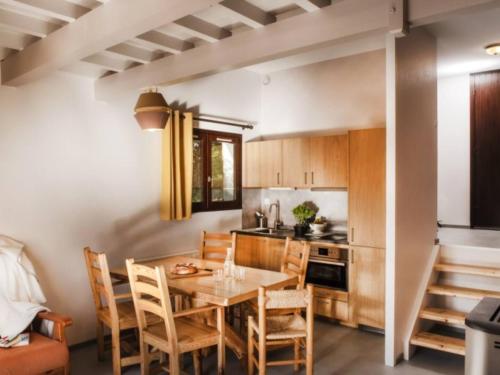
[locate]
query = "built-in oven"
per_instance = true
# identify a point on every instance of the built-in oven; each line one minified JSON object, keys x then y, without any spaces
{"x":328,"y":267}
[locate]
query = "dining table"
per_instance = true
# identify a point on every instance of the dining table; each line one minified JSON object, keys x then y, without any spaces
{"x":226,"y":291}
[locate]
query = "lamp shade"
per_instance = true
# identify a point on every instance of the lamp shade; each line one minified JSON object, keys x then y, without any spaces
{"x":152,"y":111}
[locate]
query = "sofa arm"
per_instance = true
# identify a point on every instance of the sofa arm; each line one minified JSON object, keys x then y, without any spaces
{"x":60,"y":322}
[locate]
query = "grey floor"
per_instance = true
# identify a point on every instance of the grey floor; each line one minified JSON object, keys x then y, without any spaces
{"x":338,"y":350}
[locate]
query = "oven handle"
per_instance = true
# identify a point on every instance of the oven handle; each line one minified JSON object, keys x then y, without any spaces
{"x":342,"y":264}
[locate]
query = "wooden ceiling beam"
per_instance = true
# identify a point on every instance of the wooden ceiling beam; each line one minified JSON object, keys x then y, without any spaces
{"x":312,"y":5}
{"x":156,"y":40}
{"x":102,"y":28}
{"x":28,"y":25}
{"x":134,"y":53}
{"x":107,"y":62}
{"x":202,"y":29}
{"x":15,"y":40}
{"x":59,"y":9}
{"x":4,"y":52}
{"x":247,"y":13}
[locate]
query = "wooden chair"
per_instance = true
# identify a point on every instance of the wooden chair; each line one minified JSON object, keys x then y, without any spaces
{"x":43,"y":354}
{"x":110,"y":311}
{"x":282,"y":330}
{"x":294,"y":262}
{"x":214,"y":246}
{"x":177,"y":333}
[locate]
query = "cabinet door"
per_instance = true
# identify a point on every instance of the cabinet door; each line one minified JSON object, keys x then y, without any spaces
{"x":367,"y":187}
{"x":251,"y":165}
{"x":259,"y":252}
{"x":368,"y":269}
{"x":296,"y":162}
{"x":329,"y":161}
{"x":271,"y":165}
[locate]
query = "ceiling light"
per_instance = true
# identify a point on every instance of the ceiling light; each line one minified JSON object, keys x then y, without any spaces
{"x":152,"y":111}
{"x":493,"y":49}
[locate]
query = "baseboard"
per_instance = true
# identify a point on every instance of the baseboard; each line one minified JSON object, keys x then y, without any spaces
{"x":455,"y":226}
{"x":82,"y":344}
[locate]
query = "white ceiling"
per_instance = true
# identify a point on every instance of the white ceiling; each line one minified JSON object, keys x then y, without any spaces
{"x":461,"y":42}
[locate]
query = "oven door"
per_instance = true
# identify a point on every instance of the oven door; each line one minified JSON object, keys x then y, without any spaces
{"x":327,"y":273}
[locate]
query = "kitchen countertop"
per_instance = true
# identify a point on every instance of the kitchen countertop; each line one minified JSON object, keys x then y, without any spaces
{"x":284,"y":233}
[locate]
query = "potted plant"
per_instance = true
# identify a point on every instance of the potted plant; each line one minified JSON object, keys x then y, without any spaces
{"x":303,"y":213}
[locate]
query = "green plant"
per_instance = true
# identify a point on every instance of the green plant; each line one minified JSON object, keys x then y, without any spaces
{"x":302,"y":213}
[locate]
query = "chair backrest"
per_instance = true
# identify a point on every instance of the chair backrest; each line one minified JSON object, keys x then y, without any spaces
{"x":150,"y":294}
{"x":214,"y":246}
{"x":285,"y":299}
{"x":100,"y":282}
{"x":295,"y":258}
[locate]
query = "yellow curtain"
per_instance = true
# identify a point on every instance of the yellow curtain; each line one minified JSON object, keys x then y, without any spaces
{"x":177,"y":169}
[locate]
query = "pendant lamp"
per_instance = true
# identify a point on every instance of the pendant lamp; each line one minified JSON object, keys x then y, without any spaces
{"x":152,"y":111}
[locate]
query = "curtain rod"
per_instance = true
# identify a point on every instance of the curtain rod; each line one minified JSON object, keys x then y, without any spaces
{"x":224,"y":121}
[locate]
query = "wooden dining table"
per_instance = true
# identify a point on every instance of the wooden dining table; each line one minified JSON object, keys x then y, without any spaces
{"x":226,"y":292}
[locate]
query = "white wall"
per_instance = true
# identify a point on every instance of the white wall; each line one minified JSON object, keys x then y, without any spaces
{"x":76,"y":172}
{"x":454,"y":150}
{"x":338,"y":94}
{"x":411,"y":178}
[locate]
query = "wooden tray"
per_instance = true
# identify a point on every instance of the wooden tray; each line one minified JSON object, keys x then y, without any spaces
{"x":200,"y":273}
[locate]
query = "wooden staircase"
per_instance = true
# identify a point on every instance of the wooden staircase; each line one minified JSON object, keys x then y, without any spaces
{"x":441,"y":316}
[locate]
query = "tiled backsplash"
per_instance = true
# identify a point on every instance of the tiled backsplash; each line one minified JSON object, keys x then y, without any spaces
{"x":332,"y":205}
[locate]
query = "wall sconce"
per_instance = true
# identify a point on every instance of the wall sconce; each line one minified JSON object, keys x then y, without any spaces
{"x":152,"y":111}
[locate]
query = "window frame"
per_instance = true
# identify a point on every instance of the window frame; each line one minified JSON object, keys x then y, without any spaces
{"x":206,"y":138}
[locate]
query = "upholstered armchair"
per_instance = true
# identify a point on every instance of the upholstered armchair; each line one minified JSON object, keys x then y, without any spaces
{"x":43,"y":355}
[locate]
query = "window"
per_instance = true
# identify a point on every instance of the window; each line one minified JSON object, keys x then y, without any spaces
{"x":216,"y":171}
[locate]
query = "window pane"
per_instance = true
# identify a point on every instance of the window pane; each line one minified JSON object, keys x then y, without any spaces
{"x":197,"y":171}
{"x":222,"y":163}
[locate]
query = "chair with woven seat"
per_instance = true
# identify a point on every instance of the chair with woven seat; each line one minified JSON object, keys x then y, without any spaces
{"x":178,"y":332}
{"x":214,"y":246}
{"x":115,"y":311}
{"x":43,"y":354}
{"x":282,"y":330}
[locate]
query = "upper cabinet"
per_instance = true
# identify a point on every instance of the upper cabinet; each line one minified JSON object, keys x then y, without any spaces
{"x":305,"y":162}
{"x":329,"y":161}
{"x":367,"y":188}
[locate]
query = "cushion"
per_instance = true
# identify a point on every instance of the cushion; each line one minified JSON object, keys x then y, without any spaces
{"x":41,"y":355}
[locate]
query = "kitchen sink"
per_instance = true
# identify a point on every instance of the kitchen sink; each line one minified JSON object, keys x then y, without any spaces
{"x":278,"y":232}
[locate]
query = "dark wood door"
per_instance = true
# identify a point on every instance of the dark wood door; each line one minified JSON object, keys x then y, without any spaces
{"x":485,"y":150}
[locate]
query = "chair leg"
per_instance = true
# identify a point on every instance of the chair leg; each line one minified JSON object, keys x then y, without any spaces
{"x":309,"y":355}
{"x":221,"y":346}
{"x":174,"y":365}
{"x":100,"y":340}
{"x":197,"y":363}
{"x":66,"y":369}
{"x":250,"y":349}
{"x":296,"y":352}
{"x":145,"y":358}
{"x":115,"y":349}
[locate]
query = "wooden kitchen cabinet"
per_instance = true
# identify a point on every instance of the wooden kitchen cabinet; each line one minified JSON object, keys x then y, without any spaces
{"x":271,"y":163}
{"x":328,"y":160}
{"x":259,"y":252}
{"x":367,"y":294}
{"x":252,"y":165}
{"x":296,"y":167}
{"x":367,"y":187}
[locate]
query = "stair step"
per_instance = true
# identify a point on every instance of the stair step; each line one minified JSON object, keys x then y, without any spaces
{"x":467,"y":269}
{"x":439,"y":342}
{"x":455,"y":291}
{"x":442,"y":315}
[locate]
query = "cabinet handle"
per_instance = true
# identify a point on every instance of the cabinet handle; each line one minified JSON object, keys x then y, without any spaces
{"x":305,"y":178}
{"x":312,"y":178}
{"x":352,"y":256}
{"x":352,"y":234}
{"x":278,"y":177}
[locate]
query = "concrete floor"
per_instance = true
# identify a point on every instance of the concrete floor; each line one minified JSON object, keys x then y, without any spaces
{"x":338,"y":350}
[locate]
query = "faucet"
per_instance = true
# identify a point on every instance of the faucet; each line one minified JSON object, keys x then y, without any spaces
{"x":277,"y":222}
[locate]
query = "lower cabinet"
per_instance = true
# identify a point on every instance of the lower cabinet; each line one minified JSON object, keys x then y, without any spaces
{"x":331,"y":303}
{"x":259,"y":252}
{"x":368,"y":286}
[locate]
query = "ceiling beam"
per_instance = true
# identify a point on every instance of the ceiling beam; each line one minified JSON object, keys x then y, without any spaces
{"x":156,"y":40}
{"x":202,"y":29}
{"x":59,"y":9}
{"x":110,"y":63}
{"x":134,"y":53}
{"x":15,"y":40}
{"x":28,"y":25}
{"x":4,"y":52}
{"x":247,"y":13}
{"x":339,"y":22}
{"x":312,"y":5}
{"x":103,"y":27}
